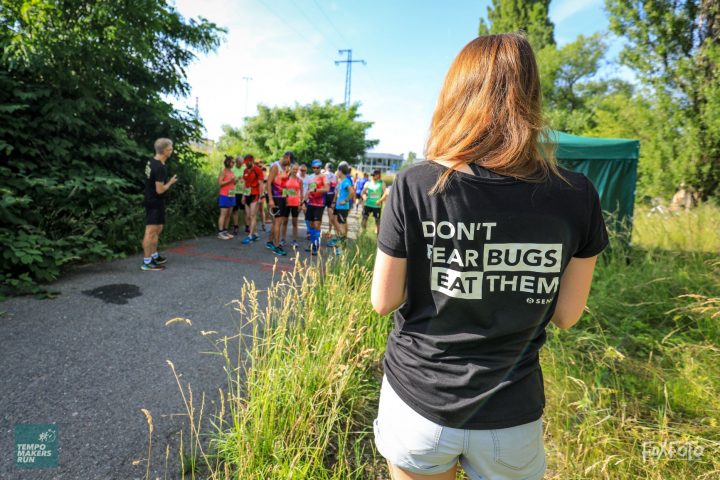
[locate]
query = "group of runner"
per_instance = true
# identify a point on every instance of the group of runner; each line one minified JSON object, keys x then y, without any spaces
{"x":280,"y":192}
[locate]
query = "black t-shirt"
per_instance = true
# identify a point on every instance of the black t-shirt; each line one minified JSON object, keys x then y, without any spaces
{"x":155,"y":171}
{"x":485,"y":258}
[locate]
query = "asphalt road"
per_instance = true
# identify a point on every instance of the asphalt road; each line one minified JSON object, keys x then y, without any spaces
{"x":92,"y":358}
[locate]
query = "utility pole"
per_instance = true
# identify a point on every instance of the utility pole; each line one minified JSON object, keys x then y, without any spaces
{"x":348,"y":73}
{"x":247,"y":86}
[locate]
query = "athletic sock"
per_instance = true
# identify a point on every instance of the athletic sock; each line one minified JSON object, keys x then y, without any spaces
{"x":147,"y":260}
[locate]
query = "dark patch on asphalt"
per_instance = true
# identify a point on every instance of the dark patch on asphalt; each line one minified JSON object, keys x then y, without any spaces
{"x":116,"y":293}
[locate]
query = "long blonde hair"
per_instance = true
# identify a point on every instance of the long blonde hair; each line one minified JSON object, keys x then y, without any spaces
{"x":489,"y":112}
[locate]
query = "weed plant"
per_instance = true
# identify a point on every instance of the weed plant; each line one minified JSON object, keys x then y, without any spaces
{"x":635,"y":381}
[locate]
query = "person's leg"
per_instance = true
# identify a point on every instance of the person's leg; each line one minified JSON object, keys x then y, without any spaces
{"x":283,"y":231}
{"x":252,"y":217}
{"x":295,"y":226}
{"x":251,"y":203}
{"x":376,"y":214}
{"x":331,"y":221}
{"x":222,"y":221}
{"x":397,"y":473}
{"x":315,"y":235}
{"x":150,"y":240}
{"x":236,"y":217}
{"x":263,"y":213}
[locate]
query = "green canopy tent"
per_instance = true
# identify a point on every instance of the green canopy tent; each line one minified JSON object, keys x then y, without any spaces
{"x":610,"y":164}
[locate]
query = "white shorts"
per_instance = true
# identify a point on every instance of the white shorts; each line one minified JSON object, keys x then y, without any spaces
{"x":410,"y":441}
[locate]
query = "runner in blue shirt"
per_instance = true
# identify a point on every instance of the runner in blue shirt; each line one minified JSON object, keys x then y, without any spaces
{"x":359,"y":185}
{"x":344,"y":196}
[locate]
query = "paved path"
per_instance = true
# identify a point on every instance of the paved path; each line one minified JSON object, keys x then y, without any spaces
{"x":90,"y":359}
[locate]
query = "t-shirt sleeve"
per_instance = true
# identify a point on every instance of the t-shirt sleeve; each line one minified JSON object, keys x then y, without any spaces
{"x":596,"y":236}
{"x":159,"y":172}
{"x":392,"y":225}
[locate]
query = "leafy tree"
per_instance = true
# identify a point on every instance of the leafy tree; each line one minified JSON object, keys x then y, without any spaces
{"x":530,"y":16}
{"x":674,"y":48}
{"x":411,"y":157}
{"x":81,"y":101}
{"x":566,"y":73}
{"x":319,"y":130}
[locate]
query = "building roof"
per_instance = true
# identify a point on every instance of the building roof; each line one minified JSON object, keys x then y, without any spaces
{"x":384,"y":155}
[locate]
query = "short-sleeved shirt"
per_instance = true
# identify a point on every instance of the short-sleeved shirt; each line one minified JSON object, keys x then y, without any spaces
{"x":155,"y":171}
{"x":485,"y":258}
{"x":315,"y":198}
{"x":252,"y":176}
{"x":225,"y":190}
{"x":293,"y":185}
{"x":332,"y":183}
{"x":343,"y":194}
{"x":360,"y":184}
{"x":374,"y":193}
{"x":236,"y":190}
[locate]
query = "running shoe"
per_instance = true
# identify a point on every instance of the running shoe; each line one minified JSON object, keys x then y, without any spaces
{"x":229,"y":235}
{"x":282,"y":242}
{"x":255,"y":238}
{"x":270,"y":246}
{"x":295,"y":245}
{"x":223,"y":236}
{"x":314,"y":250}
{"x":332,"y":242}
{"x":279,"y":251}
{"x":247,"y":240}
{"x":236,"y":230}
{"x":152,"y":267}
{"x":159,"y":260}
{"x":338,"y":251}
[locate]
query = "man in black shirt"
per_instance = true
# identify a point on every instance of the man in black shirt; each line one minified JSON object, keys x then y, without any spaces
{"x":155,"y":188}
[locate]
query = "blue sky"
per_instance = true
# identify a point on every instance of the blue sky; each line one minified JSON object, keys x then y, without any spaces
{"x":288,"y":48}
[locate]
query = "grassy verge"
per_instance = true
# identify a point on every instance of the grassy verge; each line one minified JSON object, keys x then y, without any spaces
{"x":640,"y":373}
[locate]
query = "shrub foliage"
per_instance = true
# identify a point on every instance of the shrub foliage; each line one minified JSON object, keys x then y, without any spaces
{"x":82,"y":97}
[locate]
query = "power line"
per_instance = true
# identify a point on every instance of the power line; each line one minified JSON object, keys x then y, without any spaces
{"x":331,"y":23}
{"x":317,"y":29}
{"x":285,"y":21}
{"x":348,"y":73}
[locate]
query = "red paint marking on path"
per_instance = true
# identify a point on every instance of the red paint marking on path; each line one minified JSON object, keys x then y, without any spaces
{"x":264,"y":266}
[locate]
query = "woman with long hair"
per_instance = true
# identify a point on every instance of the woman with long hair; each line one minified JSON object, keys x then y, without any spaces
{"x":480,"y":248}
{"x":226,"y":200}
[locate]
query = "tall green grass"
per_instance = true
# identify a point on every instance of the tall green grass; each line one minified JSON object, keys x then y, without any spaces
{"x":642,"y":367}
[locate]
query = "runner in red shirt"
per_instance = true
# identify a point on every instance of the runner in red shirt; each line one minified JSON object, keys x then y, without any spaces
{"x":252,"y":192}
{"x":294,"y":192}
{"x":316,"y":204}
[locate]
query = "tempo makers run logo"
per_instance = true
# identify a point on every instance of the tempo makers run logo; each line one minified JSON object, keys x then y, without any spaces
{"x":672,"y":450}
{"x":36,"y":446}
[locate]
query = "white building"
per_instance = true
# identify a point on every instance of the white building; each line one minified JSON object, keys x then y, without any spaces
{"x":385,"y":162}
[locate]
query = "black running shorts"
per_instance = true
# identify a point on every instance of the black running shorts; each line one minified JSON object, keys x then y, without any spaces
{"x":155,"y":215}
{"x":314,"y":213}
{"x":375,"y":212}
{"x":330,"y":200}
{"x":341,"y":216}
{"x":293,"y":211}
{"x":280,"y":209}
